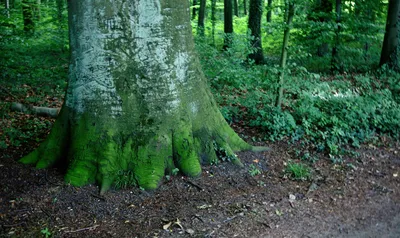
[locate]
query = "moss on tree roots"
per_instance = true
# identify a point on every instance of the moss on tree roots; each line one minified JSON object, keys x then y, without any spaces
{"x":95,"y":152}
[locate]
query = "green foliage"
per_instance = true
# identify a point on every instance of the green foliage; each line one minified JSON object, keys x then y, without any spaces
{"x":297,"y":171}
{"x":46,"y":233}
{"x":222,"y":154}
{"x":325,"y":113}
{"x":253,"y":170}
{"x":277,"y":123}
{"x":125,"y":179}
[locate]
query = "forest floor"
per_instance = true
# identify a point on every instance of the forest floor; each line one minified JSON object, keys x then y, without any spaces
{"x":357,"y":198}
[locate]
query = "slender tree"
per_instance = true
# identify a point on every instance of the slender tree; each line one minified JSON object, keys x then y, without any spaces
{"x":336,"y":65}
{"x":391,"y":41}
{"x":254,"y":25}
{"x":202,"y":14}
{"x":322,"y":13}
{"x":7,"y":6}
{"x":213,"y":19}
{"x":245,"y":7}
{"x":137,"y":100}
{"x":194,"y":10}
{"x":269,"y":10}
{"x":236,"y":8}
{"x":228,"y":23}
{"x":289,"y":14}
{"x":28,"y":16}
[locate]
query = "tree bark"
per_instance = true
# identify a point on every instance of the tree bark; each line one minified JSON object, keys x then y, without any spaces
{"x":289,"y":14}
{"x":245,"y":7}
{"x":336,"y":65}
{"x":194,"y":10}
{"x":269,"y":10}
{"x":391,"y":42}
{"x":7,"y":5}
{"x":213,"y":19}
{"x":228,"y":23}
{"x":324,"y":10}
{"x":236,"y":8}
{"x":254,"y":25}
{"x":28,"y":15}
{"x":202,"y":14}
{"x":137,"y":99}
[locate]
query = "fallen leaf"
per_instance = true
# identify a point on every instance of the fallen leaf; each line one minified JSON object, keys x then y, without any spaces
{"x":190,"y":231}
{"x":166,"y":226}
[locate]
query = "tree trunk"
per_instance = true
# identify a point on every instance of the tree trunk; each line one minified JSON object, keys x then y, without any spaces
{"x":137,"y":100}
{"x":289,"y":14}
{"x":336,"y":65}
{"x":245,"y":7}
{"x":202,"y":13}
{"x":269,"y":11}
{"x":37,"y":10}
{"x":254,"y":25}
{"x":228,"y":23}
{"x":213,"y":19}
{"x":194,"y":9}
{"x":391,"y":42}
{"x":7,"y":7}
{"x":27,"y":15}
{"x":236,"y":8}
{"x":324,"y":10}
{"x":60,"y":9}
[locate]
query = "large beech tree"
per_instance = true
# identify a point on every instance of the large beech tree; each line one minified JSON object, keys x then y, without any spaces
{"x":137,"y":99}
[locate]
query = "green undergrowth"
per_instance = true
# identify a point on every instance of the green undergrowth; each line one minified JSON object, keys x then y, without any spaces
{"x":327,"y":113}
{"x":33,"y":71}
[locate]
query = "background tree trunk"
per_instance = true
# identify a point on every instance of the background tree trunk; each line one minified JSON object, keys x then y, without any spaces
{"x":391,"y":42}
{"x":194,"y":10}
{"x":269,"y":11}
{"x":202,"y":14}
{"x":324,"y":10}
{"x":7,"y":7}
{"x":236,"y":8}
{"x":289,"y":14}
{"x":245,"y":7}
{"x":228,"y":23}
{"x":213,"y":19}
{"x":137,"y":100}
{"x":28,"y":16}
{"x":336,"y":65}
{"x":254,"y":25}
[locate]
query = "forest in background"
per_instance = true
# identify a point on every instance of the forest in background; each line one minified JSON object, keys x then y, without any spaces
{"x":335,"y":95}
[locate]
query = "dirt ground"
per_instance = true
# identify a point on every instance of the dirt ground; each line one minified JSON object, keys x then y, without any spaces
{"x":358,"y":198}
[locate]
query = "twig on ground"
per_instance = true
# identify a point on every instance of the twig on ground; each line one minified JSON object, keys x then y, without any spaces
{"x":83,"y":229}
{"x":6,"y":91}
{"x":195,"y":185}
{"x":99,"y":197}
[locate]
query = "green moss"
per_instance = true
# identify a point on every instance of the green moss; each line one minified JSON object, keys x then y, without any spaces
{"x":151,"y":161}
{"x":54,"y":147}
{"x":85,"y":142}
{"x":185,"y":153}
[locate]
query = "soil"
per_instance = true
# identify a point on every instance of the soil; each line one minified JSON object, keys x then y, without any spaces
{"x":355,"y":198}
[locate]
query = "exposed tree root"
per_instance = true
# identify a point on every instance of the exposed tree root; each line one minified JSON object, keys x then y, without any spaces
{"x":99,"y":151}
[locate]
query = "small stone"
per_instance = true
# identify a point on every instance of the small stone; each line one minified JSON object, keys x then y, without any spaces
{"x":190,"y":231}
{"x":292,"y":197}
